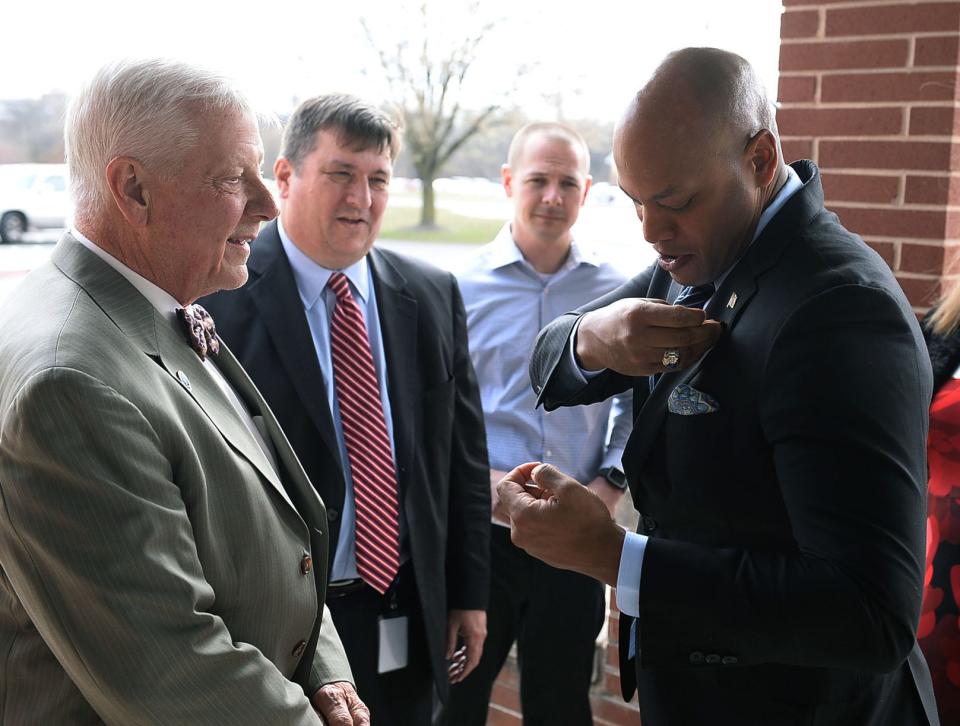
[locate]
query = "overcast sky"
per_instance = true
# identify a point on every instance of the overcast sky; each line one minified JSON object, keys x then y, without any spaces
{"x":282,"y":50}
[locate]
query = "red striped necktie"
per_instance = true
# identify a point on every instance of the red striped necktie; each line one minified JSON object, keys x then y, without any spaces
{"x":368,"y":446}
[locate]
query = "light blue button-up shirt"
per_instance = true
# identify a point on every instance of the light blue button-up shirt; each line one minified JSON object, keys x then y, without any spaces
{"x":631,"y":557}
{"x":507,"y":303}
{"x":319,"y":302}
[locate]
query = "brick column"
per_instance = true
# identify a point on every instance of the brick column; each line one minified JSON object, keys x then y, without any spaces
{"x":868,"y":90}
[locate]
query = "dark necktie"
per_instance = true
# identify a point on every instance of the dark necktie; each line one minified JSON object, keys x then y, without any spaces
{"x":695,"y":297}
{"x":200,"y":330}
{"x":368,"y":446}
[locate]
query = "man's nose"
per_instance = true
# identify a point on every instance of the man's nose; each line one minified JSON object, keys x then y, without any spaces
{"x":261,"y":203}
{"x":657,"y":227}
{"x":551,"y":194}
{"x":358,"y":194}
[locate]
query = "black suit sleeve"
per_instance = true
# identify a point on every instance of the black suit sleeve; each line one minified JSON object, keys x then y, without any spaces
{"x":552,"y":375}
{"x":468,"y":524}
{"x":838,"y":407}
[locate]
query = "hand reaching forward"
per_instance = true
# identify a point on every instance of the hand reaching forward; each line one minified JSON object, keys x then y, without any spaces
{"x":631,"y":336}
{"x":339,"y":705}
{"x":558,"y":520}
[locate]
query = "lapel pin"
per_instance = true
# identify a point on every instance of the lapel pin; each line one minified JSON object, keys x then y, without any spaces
{"x":733,"y":300}
{"x":182,"y":377}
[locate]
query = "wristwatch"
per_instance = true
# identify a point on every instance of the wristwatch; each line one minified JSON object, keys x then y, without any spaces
{"x":615,"y":477}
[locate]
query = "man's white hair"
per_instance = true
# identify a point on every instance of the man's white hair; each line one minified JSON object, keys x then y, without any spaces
{"x":145,"y":109}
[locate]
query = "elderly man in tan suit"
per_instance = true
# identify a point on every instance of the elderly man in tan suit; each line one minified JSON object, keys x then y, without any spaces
{"x":162,"y":554}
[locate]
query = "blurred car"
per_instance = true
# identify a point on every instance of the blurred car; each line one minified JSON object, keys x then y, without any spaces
{"x":32,"y":197}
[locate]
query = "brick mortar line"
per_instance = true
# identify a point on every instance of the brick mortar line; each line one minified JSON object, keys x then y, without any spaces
{"x":948,"y":243}
{"x":918,"y":34}
{"x":913,"y":207}
{"x":869,"y":71}
{"x":878,"y":138}
{"x":852,"y":4}
{"x":923,"y":276}
{"x":859,"y":105}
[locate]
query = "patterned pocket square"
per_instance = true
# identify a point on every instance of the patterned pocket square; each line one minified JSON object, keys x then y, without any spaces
{"x":688,"y":401}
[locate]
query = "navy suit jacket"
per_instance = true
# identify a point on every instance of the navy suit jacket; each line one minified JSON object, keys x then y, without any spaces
{"x":781,"y":583}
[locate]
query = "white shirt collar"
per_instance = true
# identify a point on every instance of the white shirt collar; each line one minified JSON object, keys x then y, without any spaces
{"x":312,"y":278}
{"x":163,"y":301}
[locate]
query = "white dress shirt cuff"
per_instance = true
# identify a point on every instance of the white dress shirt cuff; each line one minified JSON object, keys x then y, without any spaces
{"x":628,"y":576}
{"x":585,"y":375}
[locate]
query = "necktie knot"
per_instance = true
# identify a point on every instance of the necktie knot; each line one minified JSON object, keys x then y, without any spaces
{"x":340,"y":286}
{"x":695,"y":296}
{"x":199,"y":329}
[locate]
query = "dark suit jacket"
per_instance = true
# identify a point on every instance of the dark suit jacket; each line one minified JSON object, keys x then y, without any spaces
{"x":442,"y":469}
{"x":781,"y":583}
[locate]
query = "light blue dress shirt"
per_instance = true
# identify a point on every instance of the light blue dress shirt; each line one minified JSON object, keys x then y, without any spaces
{"x":631,"y":557}
{"x":319,"y":302}
{"x":507,"y":303}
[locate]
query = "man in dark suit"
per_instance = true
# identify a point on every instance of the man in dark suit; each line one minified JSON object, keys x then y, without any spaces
{"x":362,"y":354}
{"x":776,"y":574}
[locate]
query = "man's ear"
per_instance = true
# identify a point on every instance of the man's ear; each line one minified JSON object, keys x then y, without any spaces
{"x":763,"y":156}
{"x":588,"y":182}
{"x":282,"y":171}
{"x":506,"y":176}
{"x":125,"y":180}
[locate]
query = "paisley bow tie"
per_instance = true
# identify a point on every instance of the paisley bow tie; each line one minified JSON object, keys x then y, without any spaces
{"x":199,"y":329}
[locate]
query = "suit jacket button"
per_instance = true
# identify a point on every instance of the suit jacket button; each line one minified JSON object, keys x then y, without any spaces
{"x":306,"y":565}
{"x":649,"y":523}
{"x":332,"y":515}
{"x":298,"y":649}
{"x":712,"y":659}
{"x":696,"y":657}
{"x":729,"y":660}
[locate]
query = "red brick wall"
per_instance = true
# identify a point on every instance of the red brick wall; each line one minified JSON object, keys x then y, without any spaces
{"x":868,"y":90}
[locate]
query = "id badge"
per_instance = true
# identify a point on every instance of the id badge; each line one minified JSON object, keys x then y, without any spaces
{"x":394,"y":641}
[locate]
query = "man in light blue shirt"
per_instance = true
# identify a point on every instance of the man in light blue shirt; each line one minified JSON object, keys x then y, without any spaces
{"x":532,"y":272}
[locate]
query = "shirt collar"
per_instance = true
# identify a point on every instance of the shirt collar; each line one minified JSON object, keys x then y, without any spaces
{"x":503,"y":251}
{"x":311,"y":278}
{"x":165,"y":303}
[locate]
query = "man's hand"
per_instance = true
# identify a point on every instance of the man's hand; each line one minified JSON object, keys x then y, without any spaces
{"x":339,"y":705}
{"x":471,"y":625}
{"x":558,"y":520}
{"x":497,"y":515}
{"x":631,"y":335}
{"x":608,"y":493}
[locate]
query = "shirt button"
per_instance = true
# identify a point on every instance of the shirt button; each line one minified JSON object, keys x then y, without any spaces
{"x":298,"y":649}
{"x":306,"y":565}
{"x":332,"y":515}
{"x":549,"y":454}
{"x":696,"y":657}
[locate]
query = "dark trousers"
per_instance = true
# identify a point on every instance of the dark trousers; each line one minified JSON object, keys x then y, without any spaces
{"x":398,"y":698}
{"x":554,"y":616}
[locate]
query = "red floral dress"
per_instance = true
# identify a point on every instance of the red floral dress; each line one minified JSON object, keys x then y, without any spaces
{"x":938,"y":631}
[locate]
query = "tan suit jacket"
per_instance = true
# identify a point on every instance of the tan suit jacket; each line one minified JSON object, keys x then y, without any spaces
{"x":152,"y":561}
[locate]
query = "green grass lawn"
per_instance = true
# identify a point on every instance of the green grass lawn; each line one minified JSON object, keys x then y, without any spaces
{"x":401,"y":223}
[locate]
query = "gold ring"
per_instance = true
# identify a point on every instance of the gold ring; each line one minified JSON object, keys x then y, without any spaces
{"x":671,"y":358}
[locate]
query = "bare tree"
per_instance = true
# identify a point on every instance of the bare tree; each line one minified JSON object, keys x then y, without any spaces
{"x":427,"y":79}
